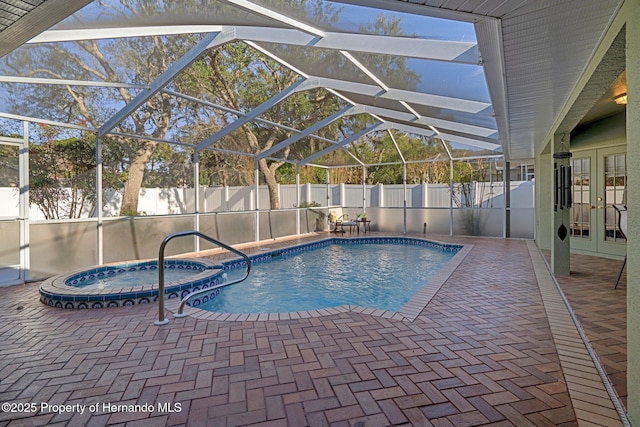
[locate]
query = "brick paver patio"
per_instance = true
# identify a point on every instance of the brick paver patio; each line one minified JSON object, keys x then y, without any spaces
{"x":495,"y":345}
{"x":602,"y":311}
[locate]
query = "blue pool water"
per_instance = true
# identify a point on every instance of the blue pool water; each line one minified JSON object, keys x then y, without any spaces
{"x":381,"y":276}
{"x":135,"y":278}
{"x":140,"y":273}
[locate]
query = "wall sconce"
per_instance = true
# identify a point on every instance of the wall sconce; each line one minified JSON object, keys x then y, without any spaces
{"x":621,"y":99}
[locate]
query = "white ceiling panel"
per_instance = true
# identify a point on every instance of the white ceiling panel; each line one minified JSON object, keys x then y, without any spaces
{"x":546,"y":46}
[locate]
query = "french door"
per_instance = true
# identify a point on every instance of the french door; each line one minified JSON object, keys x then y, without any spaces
{"x":599,"y":180}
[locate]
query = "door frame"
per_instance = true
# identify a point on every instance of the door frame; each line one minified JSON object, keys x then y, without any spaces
{"x":596,"y":244}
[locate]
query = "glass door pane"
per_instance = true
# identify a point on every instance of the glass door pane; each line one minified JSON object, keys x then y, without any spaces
{"x":581,"y":198}
{"x":615,"y":187}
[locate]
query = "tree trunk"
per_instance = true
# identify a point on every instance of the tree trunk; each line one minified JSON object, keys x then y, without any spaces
{"x":272,"y":185}
{"x":134,"y":181}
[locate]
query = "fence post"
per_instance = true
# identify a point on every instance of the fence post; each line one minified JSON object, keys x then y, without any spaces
{"x":307,"y":189}
{"x":425,"y":195}
{"x":328,"y":183}
{"x":279,"y":196}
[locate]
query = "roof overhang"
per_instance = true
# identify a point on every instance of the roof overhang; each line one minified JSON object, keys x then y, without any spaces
{"x":22,"y":21}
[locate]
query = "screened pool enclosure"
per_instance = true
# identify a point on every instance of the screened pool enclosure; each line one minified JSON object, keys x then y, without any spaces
{"x":248,"y":121}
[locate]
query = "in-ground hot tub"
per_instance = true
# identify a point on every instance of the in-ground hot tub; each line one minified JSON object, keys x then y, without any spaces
{"x":123,"y":284}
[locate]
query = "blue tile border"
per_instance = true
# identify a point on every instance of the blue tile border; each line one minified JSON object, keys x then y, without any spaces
{"x":60,"y":292}
{"x":294,"y":250}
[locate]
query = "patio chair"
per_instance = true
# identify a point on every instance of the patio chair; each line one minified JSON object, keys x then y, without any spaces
{"x":622,"y":228}
{"x":335,"y":223}
{"x":348,"y":223}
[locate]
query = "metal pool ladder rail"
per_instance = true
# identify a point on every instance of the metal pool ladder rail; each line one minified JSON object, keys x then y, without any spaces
{"x":161,"y":319}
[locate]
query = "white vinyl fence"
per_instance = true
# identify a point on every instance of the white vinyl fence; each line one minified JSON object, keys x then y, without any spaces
{"x":167,"y":201}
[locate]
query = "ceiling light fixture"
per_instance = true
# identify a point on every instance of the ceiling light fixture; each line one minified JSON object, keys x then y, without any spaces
{"x":621,"y":99}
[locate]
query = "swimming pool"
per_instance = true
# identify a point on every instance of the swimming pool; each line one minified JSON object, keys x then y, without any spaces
{"x":380,"y":273}
{"x":63,"y":291}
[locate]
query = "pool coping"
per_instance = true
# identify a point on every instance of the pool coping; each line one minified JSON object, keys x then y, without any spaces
{"x":409,"y":311}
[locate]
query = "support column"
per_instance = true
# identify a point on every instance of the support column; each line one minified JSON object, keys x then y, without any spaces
{"x":543,"y":200}
{"x":364,"y":188}
{"x":298,"y":199}
{"x":196,"y":198}
{"x":633,"y":205}
{"x":560,"y":243}
{"x":404,"y":198}
{"x":257,"y":200}
{"x":451,"y":197}
{"x":99,"y":201}
{"x":507,"y":198}
{"x":23,"y":213}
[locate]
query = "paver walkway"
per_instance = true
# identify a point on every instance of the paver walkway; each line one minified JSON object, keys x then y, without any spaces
{"x":481,"y":352}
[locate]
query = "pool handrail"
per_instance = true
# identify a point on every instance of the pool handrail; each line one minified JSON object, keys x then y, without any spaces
{"x":161,"y":319}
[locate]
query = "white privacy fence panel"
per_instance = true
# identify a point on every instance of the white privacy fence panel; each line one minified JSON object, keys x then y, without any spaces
{"x":213,"y":200}
{"x":167,"y":201}
{"x":436,"y":196}
{"x":353,"y":195}
{"x":318,"y":193}
{"x":394,"y":196}
{"x":238,"y":199}
{"x":288,"y":196}
{"x":10,"y":202}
